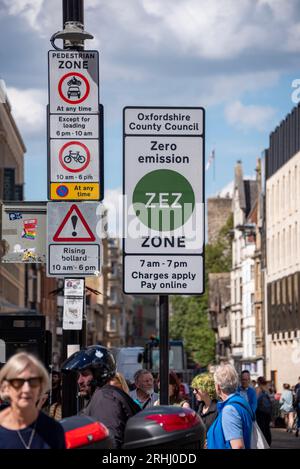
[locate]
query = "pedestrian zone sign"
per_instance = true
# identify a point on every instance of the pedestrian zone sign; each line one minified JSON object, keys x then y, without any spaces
{"x":73,"y":82}
{"x":75,"y":127}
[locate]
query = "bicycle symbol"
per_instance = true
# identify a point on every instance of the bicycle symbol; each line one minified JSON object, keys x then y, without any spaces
{"x":74,"y":155}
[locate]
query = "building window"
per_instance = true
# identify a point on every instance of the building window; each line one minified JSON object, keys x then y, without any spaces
{"x":289,"y":246}
{"x":279,"y":251}
{"x":296,"y":242}
{"x":253,"y":344}
{"x":272,"y":260}
{"x":241,"y":289}
{"x":111,"y":323}
{"x":282,"y":195}
{"x":114,"y":268}
{"x":273,"y":293}
{"x":295,"y":188}
{"x":278,"y":200}
{"x":113,"y":295}
{"x":283,"y":249}
{"x":273,"y":202}
{"x":252,"y":304}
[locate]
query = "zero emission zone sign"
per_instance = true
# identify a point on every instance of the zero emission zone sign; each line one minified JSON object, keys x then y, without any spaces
{"x":164,"y":200}
{"x":75,"y":127}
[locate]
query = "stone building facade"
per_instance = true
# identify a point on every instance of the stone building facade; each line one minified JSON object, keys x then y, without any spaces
{"x":219,"y":210}
{"x":282,"y":314}
{"x":12,"y":150}
{"x":242,"y":274}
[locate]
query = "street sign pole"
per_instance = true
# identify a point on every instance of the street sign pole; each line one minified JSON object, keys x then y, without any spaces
{"x":73,"y":11}
{"x":72,"y":339}
{"x":164,"y":349}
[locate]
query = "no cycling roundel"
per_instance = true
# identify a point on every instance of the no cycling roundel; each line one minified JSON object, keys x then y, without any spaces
{"x":73,"y":88}
{"x":74,"y":156}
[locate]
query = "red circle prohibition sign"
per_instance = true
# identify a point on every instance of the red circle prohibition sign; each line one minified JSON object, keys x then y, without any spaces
{"x":74,"y":101}
{"x":85,"y":148}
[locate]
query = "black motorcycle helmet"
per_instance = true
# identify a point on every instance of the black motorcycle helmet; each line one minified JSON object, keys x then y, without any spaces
{"x":96,"y":357}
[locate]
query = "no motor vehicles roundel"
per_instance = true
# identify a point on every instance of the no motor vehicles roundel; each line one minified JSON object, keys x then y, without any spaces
{"x":73,"y":88}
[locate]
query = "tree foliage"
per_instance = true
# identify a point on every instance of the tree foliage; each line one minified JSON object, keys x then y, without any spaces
{"x":189,"y":320}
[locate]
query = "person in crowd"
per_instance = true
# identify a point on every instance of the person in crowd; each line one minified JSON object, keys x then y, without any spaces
{"x":120,"y":382}
{"x":55,"y":410}
{"x":204,"y":390}
{"x":144,"y":394}
{"x":264,"y":409}
{"x":55,"y":387}
{"x":48,"y":399}
{"x":233,"y":426}
{"x":184,"y":389}
{"x":297,"y":409}
{"x":297,"y":386}
{"x":23,"y":380}
{"x":275,"y":407}
{"x":286,"y":407}
{"x":55,"y":396}
{"x":247,"y":391}
{"x":85,"y":380}
{"x":108,"y":403}
{"x":174,"y":392}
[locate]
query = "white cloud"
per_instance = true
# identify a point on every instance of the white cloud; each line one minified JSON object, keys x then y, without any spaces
{"x":29,"y":109}
{"x":202,"y":28}
{"x":113,"y":202}
{"x":224,"y":88}
{"x":249,"y":117}
{"x":29,"y":9}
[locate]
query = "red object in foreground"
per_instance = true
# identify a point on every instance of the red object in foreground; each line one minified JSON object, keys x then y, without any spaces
{"x":79,"y":437}
{"x":165,"y":427}
{"x":173,"y":422}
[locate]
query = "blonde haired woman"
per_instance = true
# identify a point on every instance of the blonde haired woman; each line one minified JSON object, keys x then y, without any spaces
{"x":204,"y":391}
{"x":23,"y":380}
{"x":120,"y":382}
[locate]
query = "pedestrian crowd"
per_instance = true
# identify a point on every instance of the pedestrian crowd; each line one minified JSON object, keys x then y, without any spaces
{"x":237,"y":412}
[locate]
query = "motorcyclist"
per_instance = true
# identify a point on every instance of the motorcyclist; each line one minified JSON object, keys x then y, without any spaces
{"x":108,"y":404}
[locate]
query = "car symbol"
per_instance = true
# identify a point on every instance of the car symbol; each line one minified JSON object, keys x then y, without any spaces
{"x":74,"y":91}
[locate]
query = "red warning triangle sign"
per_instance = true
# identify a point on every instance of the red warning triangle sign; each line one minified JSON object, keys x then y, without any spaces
{"x":74,"y":228}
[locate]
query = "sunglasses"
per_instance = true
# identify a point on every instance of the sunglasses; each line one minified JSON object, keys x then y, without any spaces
{"x":18,"y":383}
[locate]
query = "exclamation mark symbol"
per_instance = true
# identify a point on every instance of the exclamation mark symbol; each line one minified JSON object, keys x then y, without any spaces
{"x":74,"y":219}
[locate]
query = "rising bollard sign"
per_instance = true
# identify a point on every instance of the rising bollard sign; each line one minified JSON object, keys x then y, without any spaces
{"x":164,"y":200}
{"x":73,"y":239}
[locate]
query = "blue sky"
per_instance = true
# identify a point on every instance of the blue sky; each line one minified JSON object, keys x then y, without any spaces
{"x":236,"y":58}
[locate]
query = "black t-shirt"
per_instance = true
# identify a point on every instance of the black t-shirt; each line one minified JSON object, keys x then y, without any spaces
{"x":49,"y":434}
{"x":210,"y":416}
